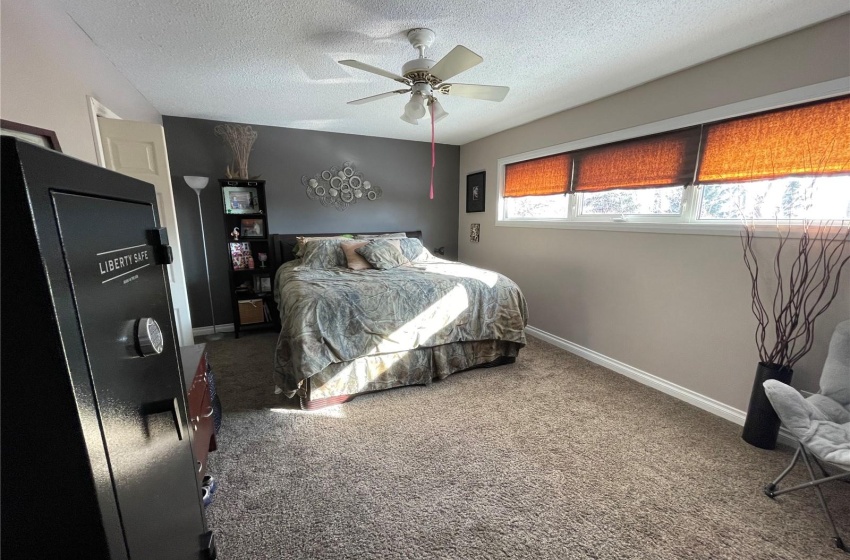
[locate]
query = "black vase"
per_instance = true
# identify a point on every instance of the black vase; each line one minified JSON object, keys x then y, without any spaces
{"x":762,"y":425}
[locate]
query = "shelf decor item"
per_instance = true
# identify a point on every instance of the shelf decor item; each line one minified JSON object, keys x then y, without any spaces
{"x":253,"y":227}
{"x":198,"y":184}
{"x":240,"y":255}
{"x":241,"y":200}
{"x":805,"y":284}
{"x":241,"y":140}
{"x":32,"y":134}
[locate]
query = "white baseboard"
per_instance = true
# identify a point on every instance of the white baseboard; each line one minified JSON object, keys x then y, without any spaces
{"x":708,"y":404}
{"x":203,"y":331}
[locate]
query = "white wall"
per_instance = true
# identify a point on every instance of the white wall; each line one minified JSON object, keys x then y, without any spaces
{"x":676,"y":306}
{"x":47,"y":67}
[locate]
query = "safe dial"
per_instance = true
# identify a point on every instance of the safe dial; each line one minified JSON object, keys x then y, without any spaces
{"x":148,"y":337}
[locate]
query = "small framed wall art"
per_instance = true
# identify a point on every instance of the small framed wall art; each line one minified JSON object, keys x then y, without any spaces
{"x":475,"y":233}
{"x":475,"y":192}
{"x":34,"y":135}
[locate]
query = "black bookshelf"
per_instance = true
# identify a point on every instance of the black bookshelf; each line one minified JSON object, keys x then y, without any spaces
{"x":251,"y":277}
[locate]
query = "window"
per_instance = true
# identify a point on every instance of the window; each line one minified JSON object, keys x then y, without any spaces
{"x":665,"y":201}
{"x":791,"y":164}
{"x":553,"y":206}
{"x":822,"y":198}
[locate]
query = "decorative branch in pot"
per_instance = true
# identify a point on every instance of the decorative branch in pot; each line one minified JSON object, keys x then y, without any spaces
{"x":241,"y":140}
{"x":786,"y":314}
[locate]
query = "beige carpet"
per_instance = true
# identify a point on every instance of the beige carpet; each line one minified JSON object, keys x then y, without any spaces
{"x":551,"y":457}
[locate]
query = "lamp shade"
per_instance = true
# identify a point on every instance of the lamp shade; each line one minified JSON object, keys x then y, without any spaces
{"x":415,"y":108}
{"x":437,"y":111}
{"x":196,"y":182}
{"x":405,"y":118}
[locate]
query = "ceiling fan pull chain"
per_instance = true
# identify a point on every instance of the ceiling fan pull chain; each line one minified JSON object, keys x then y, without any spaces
{"x":433,"y":156}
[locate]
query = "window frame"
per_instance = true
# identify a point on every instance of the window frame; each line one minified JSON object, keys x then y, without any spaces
{"x":688,"y":221}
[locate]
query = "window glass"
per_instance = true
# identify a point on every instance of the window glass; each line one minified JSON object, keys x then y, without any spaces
{"x":653,"y":202}
{"x":552,"y":206}
{"x":819,"y":198}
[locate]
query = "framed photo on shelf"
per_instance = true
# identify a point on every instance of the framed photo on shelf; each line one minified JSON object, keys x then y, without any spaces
{"x":32,"y":134}
{"x":475,"y":192}
{"x":262,"y":284}
{"x":240,"y":200}
{"x":253,"y":227}
{"x":240,"y":256}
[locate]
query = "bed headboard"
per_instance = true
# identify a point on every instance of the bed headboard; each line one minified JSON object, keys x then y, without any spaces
{"x":283,"y":244}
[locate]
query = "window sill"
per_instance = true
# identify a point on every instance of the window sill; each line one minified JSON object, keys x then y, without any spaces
{"x":728,"y":229}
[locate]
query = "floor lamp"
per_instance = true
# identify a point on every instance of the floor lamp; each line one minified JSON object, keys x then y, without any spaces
{"x":198,"y":184}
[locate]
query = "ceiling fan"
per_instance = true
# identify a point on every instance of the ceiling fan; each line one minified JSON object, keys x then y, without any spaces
{"x":424,"y":77}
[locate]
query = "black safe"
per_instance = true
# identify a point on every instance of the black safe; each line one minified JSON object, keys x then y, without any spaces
{"x":96,"y":454}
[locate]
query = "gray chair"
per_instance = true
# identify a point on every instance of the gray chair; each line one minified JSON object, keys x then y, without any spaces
{"x":821,"y":423}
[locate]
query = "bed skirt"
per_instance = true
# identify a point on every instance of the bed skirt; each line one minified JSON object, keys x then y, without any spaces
{"x":343,"y":381}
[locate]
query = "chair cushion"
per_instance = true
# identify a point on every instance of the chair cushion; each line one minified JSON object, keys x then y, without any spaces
{"x":835,"y":379}
{"x":826,"y":439}
{"x":832,"y":411}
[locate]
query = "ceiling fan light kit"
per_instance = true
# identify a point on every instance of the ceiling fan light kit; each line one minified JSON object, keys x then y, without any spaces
{"x":426,"y":77}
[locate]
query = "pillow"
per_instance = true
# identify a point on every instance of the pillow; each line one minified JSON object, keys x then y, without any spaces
{"x":323,"y":253}
{"x":383,"y":254}
{"x":353,"y":260}
{"x":301,"y":242}
{"x":413,"y":249}
{"x":400,"y":235}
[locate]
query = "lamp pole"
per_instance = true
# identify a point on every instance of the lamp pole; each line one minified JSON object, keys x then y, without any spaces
{"x":198,"y":184}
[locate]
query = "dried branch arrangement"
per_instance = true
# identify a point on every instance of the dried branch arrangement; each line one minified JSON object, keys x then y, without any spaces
{"x":241,"y":140}
{"x":804,"y":290}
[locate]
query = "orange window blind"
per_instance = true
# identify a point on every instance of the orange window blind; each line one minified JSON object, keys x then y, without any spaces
{"x":661,"y":160}
{"x":538,"y":177}
{"x":809,"y":140}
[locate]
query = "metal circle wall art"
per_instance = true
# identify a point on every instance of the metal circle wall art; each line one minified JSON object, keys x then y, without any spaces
{"x":340,"y":187}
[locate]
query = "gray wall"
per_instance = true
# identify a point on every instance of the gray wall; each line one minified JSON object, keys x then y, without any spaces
{"x":49,"y":66}
{"x":676,"y":306}
{"x":282,"y":156}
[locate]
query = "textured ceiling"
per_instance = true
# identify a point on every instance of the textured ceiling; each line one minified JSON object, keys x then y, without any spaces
{"x":274,"y":62}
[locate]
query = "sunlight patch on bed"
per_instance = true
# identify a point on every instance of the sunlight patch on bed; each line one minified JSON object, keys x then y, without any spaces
{"x":334,"y":411}
{"x":416,"y":332}
{"x":488,"y":277}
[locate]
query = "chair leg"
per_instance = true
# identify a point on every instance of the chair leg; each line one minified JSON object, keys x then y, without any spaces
{"x":823,"y":470}
{"x":769,"y":489}
{"x":836,"y":538}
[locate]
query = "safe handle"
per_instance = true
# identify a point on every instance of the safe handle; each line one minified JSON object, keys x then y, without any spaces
{"x":166,"y":405}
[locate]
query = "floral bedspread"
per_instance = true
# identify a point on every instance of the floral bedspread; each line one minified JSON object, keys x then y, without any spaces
{"x":336,"y":315}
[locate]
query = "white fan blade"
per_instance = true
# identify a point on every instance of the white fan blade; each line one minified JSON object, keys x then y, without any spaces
{"x":459,"y":59}
{"x":376,"y":97}
{"x":477,"y":91}
{"x":374,"y":70}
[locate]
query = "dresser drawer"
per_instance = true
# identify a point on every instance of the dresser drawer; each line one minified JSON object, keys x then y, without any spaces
{"x":200,"y":406}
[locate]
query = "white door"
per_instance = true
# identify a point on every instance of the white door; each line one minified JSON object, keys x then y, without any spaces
{"x":137,"y":149}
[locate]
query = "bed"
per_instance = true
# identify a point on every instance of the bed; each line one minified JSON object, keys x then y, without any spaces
{"x":348,"y":332}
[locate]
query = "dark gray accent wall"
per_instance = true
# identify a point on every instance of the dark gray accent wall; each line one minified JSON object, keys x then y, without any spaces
{"x":281,"y":156}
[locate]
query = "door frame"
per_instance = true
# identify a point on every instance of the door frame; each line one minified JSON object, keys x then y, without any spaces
{"x":98,"y":109}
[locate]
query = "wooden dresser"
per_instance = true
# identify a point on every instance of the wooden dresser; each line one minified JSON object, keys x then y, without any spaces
{"x":196,"y":370}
